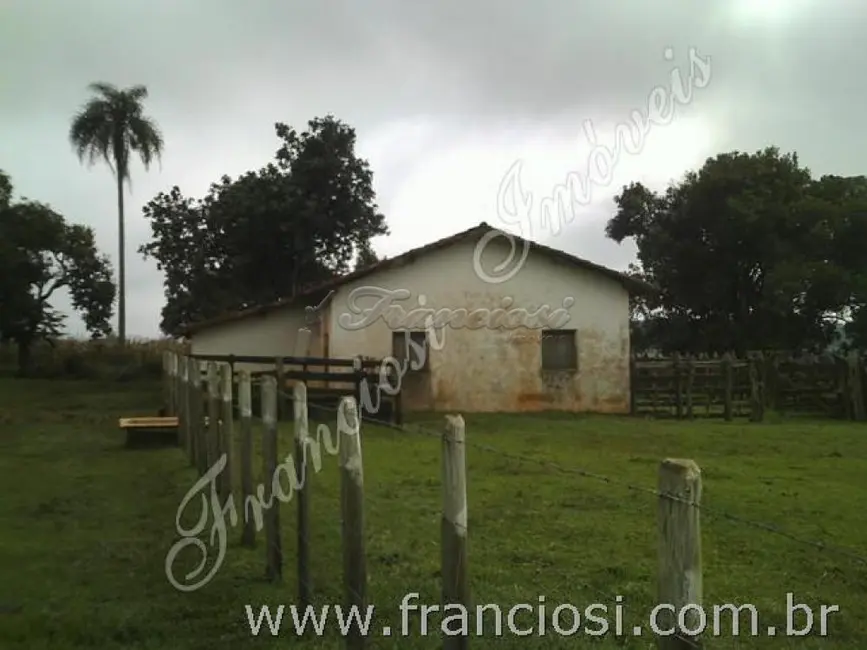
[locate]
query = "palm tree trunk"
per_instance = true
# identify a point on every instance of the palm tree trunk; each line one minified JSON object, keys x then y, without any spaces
{"x":121,"y":262}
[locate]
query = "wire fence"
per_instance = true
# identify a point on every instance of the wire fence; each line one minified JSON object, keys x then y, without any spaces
{"x":332,"y":506}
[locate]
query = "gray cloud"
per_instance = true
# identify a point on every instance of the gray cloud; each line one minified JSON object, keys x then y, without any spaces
{"x":221,"y":73}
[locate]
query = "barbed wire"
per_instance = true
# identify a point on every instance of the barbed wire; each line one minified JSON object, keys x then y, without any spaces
{"x":417,"y":429}
{"x":423,"y":430}
{"x":713,"y":512}
{"x":585,"y":473}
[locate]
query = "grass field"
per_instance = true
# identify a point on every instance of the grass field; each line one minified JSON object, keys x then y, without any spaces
{"x":85,"y":526}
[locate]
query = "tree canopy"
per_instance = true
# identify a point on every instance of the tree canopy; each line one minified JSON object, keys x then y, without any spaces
{"x":267,"y":234}
{"x":749,"y":252}
{"x":40,"y":253}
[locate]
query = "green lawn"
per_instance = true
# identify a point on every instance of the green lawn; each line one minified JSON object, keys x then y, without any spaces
{"x":85,"y":525}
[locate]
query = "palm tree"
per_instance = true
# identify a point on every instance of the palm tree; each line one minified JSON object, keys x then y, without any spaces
{"x":110,"y":127}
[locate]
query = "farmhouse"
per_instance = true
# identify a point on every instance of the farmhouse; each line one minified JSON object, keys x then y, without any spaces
{"x":552,"y":334}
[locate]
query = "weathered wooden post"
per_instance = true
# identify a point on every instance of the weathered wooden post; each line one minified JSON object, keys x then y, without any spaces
{"x":757,"y":398}
{"x":690,"y":385}
{"x":728,"y":385}
{"x":212,"y":446}
{"x":302,"y":494}
{"x":226,"y":432}
{"x":176,"y":384}
{"x":678,"y":386}
{"x":273,"y":545}
{"x":680,"y":570}
{"x":280,"y":374}
{"x":352,"y":511}
{"x":245,"y":409}
{"x":182,"y":401}
{"x":197,"y":436}
{"x":189,"y":391}
{"x":358,"y":371}
{"x":205,"y":400}
{"x":167,"y":385}
{"x":855,"y":386}
{"x":455,"y":580}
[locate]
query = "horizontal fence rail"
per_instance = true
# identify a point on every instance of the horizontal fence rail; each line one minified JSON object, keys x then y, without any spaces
{"x":357,"y":377}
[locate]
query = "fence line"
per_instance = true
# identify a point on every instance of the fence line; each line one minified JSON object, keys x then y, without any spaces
{"x":642,"y":489}
{"x":678,"y":492}
{"x":683,"y":386}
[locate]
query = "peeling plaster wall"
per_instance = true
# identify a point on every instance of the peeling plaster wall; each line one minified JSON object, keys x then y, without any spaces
{"x":499,"y":369}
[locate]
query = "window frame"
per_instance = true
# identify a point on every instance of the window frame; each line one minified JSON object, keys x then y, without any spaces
{"x":405,"y":345}
{"x":561,"y":334}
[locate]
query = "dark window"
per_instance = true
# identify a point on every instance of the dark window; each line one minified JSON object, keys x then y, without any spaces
{"x":413,"y":346}
{"x":559,"y":350}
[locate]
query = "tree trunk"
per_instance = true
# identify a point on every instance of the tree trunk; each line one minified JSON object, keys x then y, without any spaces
{"x":25,"y":358}
{"x":121,"y":260}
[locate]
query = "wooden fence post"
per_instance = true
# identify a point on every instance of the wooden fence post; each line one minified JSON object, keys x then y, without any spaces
{"x":678,"y":386}
{"x":680,"y":570}
{"x":194,"y":409}
{"x":226,"y":433}
{"x":167,"y":386}
{"x":728,"y":385}
{"x":352,"y":513}
{"x":184,"y":424}
{"x":690,"y":383}
{"x":212,"y":445}
{"x":358,"y":371}
{"x":302,"y":494}
{"x":455,"y":581}
{"x":170,"y":385}
{"x":273,"y":545}
{"x":176,"y":384}
{"x":757,"y":392}
{"x":195,"y":413}
{"x":280,"y":374}
{"x":245,"y":408}
{"x":183,"y":402}
{"x":855,"y":387}
{"x":202,"y":441}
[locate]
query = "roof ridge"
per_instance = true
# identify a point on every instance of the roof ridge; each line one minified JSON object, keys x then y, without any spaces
{"x":409,"y":256}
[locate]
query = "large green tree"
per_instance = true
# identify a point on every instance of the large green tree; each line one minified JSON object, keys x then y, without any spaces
{"x":40,"y":254}
{"x":268,"y":234}
{"x":111,"y":127}
{"x":749,"y":252}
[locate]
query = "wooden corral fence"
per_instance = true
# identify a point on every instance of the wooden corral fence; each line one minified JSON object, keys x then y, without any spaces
{"x":328,"y":380}
{"x":683,"y":386}
{"x":215,"y":423}
{"x":227,"y":440}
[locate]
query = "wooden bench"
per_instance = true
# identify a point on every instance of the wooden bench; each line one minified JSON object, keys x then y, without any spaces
{"x":165,"y":426}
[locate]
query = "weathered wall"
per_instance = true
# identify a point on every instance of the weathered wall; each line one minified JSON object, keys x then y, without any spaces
{"x":271,"y":335}
{"x":500,"y":370}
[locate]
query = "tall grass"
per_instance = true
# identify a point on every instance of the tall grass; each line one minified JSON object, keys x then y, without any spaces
{"x":91,"y":359}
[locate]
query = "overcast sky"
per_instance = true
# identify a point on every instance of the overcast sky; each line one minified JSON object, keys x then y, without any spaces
{"x":445,"y":98}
